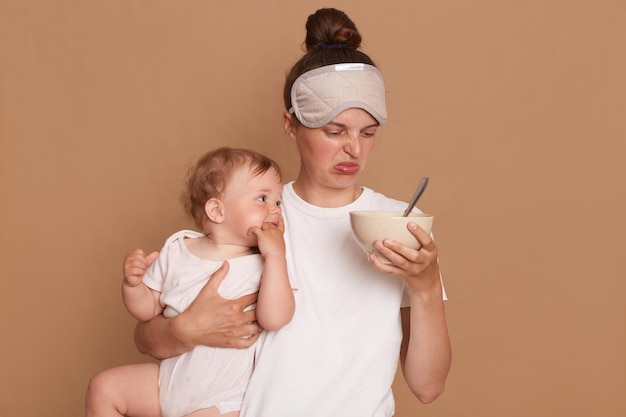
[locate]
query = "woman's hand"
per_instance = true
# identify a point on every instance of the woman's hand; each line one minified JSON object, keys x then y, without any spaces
{"x":418,"y":268}
{"x":210,"y":319}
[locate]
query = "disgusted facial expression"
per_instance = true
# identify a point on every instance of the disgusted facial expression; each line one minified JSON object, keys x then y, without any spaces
{"x":333,"y":155}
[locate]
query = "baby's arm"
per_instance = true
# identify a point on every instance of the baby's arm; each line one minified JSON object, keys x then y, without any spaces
{"x":276,"y":304}
{"x":140,"y":301}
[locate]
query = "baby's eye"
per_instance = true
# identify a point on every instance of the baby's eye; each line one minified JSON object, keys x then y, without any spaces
{"x":279,"y":203}
{"x":262,"y":198}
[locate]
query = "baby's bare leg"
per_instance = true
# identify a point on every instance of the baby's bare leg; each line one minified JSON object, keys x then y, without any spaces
{"x":130,"y":390}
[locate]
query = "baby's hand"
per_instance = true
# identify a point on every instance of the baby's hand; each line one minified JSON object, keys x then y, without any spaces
{"x":135,"y":266}
{"x":270,"y":238}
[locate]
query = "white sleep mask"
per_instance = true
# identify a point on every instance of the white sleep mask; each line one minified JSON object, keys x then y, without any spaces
{"x":319,"y":95}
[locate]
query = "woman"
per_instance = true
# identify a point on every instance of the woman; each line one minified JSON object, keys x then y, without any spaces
{"x":355,"y":316}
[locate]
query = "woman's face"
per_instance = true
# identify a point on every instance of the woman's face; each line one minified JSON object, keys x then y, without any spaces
{"x":333,"y":155}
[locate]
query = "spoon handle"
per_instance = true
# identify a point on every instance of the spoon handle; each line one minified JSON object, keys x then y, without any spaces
{"x":418,"y":193}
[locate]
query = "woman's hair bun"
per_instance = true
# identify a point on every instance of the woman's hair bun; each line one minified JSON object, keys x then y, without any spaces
{"x":331,"y":28}
{"x":331,"y":38}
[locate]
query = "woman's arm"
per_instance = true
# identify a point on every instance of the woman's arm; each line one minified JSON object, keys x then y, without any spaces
{"x":209,"y":320}
{"x":425,"y":352}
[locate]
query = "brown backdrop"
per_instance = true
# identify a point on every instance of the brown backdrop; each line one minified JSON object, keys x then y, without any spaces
{"x":516,"y":111}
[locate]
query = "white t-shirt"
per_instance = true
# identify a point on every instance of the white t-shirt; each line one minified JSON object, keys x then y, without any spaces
{"x":205,"y":376}
{"x":338,"y":356}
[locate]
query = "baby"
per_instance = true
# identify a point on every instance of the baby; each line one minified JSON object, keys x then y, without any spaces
{"x":234,"y":197}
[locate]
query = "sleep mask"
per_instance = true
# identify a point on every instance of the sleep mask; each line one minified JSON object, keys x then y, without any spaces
{"x":319,"y":95}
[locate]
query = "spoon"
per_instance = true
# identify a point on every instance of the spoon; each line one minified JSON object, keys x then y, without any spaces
{"x":418,"y":193}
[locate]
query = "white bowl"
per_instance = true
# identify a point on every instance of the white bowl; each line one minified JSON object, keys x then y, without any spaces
{"x":371,"y":225}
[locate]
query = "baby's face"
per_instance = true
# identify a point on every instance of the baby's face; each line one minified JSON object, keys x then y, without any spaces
{"x":251,"y":200}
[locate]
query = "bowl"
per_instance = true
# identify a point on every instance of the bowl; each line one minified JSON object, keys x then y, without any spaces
{"x":371,"y":225}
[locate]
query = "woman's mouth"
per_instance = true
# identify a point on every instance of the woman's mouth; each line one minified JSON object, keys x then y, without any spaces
{"x":347,"y":167}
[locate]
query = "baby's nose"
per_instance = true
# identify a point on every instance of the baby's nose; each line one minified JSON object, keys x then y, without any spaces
{"x":275,"y":208}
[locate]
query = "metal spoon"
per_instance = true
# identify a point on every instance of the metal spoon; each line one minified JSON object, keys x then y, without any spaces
{"x":418,"y":193}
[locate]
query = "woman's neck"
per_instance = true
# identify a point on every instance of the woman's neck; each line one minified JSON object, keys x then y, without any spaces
{"x":326,"y":196}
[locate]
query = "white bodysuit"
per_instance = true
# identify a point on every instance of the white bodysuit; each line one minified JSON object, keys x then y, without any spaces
{"x":205,"y":376}
{"x":338,"y":356}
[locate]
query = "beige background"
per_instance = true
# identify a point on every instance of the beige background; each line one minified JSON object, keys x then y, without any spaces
{"x":515,"y":109}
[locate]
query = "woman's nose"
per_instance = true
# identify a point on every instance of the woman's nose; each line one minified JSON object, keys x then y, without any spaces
{"x":353,"y":145}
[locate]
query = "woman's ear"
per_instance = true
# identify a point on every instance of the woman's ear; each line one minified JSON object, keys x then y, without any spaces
{"x":214,"y":210}
{"x":289,"y":124}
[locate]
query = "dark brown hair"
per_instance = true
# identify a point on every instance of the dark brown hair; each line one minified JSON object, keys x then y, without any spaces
{"x":331,"y":38}
{"x":208,"y":177}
